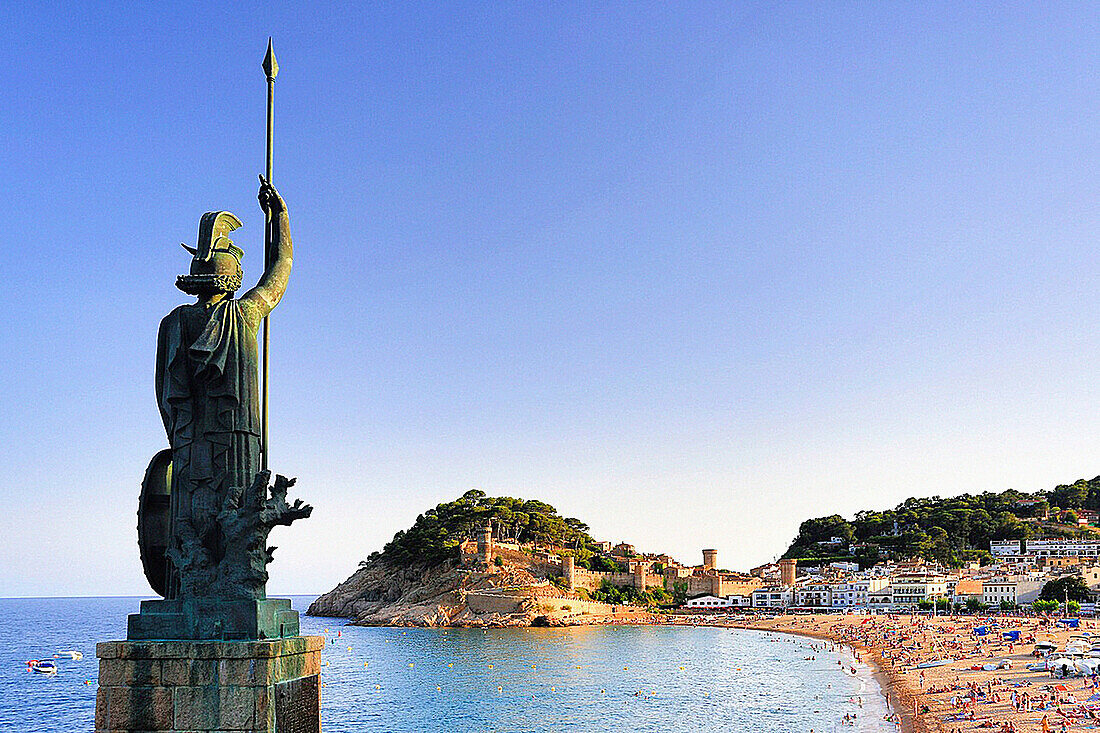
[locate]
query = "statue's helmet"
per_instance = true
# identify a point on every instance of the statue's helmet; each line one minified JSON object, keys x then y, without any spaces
{"x":216,"y":261}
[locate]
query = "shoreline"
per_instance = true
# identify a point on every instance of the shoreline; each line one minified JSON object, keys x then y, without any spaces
{"x":890,"y":682}
{"x":979,"y":678}
{"x":897,"y":694}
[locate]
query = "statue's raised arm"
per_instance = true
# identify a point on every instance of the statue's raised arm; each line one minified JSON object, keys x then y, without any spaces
{"x":280,"y":252}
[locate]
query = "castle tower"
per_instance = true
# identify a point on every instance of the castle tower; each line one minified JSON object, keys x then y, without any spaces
{"x":485,"y":544}
{"x":787,"y":571}
{"x":639,"y":576}
{"x":710,"y":559}
{"x":569,"y":570}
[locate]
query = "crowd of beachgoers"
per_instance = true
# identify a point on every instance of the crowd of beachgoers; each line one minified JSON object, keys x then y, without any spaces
{"x":955,"y":674}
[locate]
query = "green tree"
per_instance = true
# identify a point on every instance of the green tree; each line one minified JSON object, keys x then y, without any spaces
{"x":1041,"y":606}
{"x":942,"y":549}
{"x":1072,"y":496}
{"x":602,"y":564}
{"x":813,"y":532}
{"x":1068,"y":587}
{"x":1008,"y":606}
{"x":436,"y":534}
{"x":1073,"y":608}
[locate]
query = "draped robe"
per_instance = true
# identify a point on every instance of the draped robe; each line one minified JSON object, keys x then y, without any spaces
{"x":208,"y":394}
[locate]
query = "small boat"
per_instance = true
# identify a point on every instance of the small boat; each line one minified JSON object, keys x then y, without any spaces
{"x":933,"y":663}
{"x":70,"y":655}
{"x":44,"y":667}
{"x":1077,"y":647}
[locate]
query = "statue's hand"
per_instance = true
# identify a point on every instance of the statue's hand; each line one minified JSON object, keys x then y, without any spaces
{"x":270,"y":200}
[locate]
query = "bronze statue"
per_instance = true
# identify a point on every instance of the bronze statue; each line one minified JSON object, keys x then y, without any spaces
{"x":206,"y":508}
{"x":207,"y":389}
{"x":208,"y":394}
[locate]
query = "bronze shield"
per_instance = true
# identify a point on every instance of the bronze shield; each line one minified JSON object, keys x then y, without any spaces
{"x":155,"y":520}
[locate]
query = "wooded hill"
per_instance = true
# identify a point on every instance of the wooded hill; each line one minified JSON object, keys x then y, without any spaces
{"x":436,"y":534}
{"x":950,"y":531}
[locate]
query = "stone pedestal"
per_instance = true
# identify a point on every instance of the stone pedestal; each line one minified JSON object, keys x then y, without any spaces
{"x":213,"y":619}
{"x":200,"y":686}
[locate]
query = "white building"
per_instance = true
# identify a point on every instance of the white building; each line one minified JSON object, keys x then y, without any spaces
{"x":1004,"y":548}
{"x":813,"y":595}
{"x":716,"y":602}
{"x":852,"y":593}
{"x":881,"y":599}
{"x":1017,"y":591}
{"x":773,"y":597}
{"x":1045,"y":548}
{"x":909,"y":590}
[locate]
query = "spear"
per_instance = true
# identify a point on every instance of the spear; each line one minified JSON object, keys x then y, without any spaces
{"x":271,"y":69}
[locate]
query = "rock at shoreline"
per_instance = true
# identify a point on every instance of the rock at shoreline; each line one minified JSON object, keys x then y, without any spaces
{"x":382,"y":594}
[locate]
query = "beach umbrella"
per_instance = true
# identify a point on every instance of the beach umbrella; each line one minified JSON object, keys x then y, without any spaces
{"x":1062,"y":664}
{"x":1088,"y":666}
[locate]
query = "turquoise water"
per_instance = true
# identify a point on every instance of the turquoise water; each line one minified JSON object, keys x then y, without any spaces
{"x":495,"y":681}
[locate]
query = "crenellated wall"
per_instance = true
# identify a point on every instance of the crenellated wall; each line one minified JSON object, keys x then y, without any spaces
{"x":591,"y":580}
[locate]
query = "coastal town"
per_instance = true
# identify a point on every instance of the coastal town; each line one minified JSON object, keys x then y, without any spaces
{"x":953,"y":649}
{"x":1014,"y":580}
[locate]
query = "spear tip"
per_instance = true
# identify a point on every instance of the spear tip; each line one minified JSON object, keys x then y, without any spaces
{"x":271,"y":66}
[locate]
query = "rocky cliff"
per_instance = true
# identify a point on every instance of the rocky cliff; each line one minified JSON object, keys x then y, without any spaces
{"x":383,"y":594}
{"x":423,"y":577}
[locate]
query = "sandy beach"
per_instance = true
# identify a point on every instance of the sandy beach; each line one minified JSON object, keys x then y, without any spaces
{"x":955,"y":697}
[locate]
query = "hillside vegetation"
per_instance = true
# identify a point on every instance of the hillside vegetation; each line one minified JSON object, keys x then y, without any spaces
{"x":419,"y":578}
{"x":436,"y":534}
{"x":950,"y":531}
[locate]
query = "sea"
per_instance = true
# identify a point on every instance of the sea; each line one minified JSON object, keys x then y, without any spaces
{"x":546,"y":680}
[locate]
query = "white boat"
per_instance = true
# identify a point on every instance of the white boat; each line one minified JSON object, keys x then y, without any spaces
{"x":45,"y":667}
{"x":71,"y":655}
{"x":933,"y":663}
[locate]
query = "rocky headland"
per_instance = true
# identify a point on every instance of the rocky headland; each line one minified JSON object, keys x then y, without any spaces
{"x":384,"y":594}
{"x":447,"y":570}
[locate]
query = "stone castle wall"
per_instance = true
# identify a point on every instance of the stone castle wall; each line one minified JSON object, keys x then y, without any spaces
{"x":591,"y":579}
{"x":489,"y":602}
{"x":481,"y":602}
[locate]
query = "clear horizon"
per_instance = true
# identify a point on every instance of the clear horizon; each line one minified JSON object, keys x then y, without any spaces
{"x":689,"y":274}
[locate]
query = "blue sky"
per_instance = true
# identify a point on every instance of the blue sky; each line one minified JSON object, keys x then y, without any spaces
{"x":690,"y":272}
